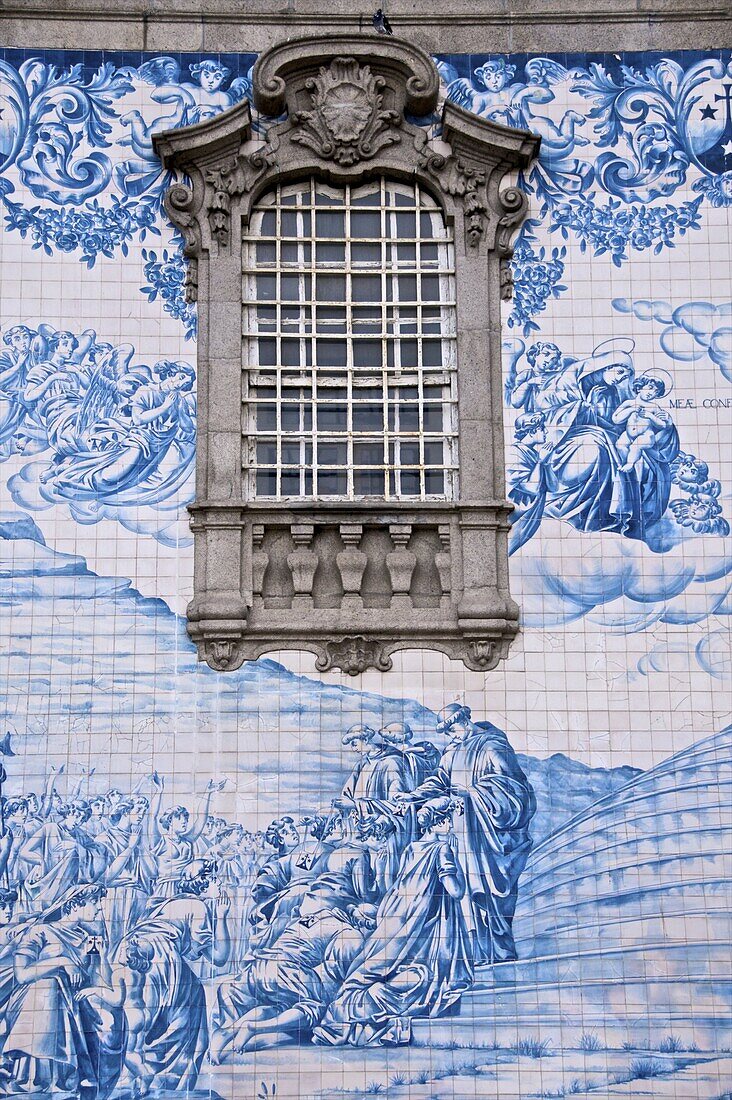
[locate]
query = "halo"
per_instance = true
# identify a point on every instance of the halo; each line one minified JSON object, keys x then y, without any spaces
{"x":615,"y":344}
{"x":660,"y":375}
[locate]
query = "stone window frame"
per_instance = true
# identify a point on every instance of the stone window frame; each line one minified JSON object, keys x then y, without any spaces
{"x":351,"y":581}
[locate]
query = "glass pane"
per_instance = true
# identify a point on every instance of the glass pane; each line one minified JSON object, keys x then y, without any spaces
{"x":266,"y":454}
{"x":367,"y":418}
{"x":330,"y":223}
{"x":331,"y":454}
{"x":332,"y":418}
{"x":365,"y":224}
{"x":290,"y":483}
{"x":291,"y":455}
{"x":330,"y":288}
{"x":367,"y":353}
{"x":267,"y":353}
{"x":266,"y":288}
{"x":266,"y":253}
{"x":266,"y":483}
{"x":409,"y":483}
{"x":331,"y":353}
{"x":266,"y":417}
{"x":365,"y":254}
{"x":409,"y":418}
{"x":369,"y":483}
{"x":378,"y":319}
{"x":332,"y":483}
{"x":366,"y":288}
{"x":409,"y":453}
{"x":433,"y":418}
{"x":330,"y":253}
{"x":434,"y":482}
{"x":368,"y":454}
{"x":290,"y":416}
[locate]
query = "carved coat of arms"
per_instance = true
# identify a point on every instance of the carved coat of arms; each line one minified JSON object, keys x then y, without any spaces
{"x":347,"y":123}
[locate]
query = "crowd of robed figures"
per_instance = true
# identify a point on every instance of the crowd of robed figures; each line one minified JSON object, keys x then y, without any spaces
{"x":118,"y":916}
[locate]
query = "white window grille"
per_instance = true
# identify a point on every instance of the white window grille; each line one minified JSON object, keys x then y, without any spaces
{"x":350,"y":372}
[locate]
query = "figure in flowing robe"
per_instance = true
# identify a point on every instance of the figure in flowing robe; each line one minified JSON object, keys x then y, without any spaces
{"x":142,"y":454}
{"x":176,"y":933}
{"x":549,"y":387}
{"x":172,"y":838}
{"x":279,"y":882}
{"x":131,"y":868}
{"x":58,"y":1042}
{"x":8,"y":936}
{"x":418,"y":960}
{"x":62,"y":856}
{"x":55,"y":388}
{"x":421,"y":759}
{"x":583,"y":480}
{"x":281,"y":992}
{"x":16,"y":360}
{"x":493,"y":840}
{"x":378,"y":778}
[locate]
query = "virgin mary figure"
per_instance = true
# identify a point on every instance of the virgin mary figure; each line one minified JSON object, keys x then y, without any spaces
{"x":581,"y":476}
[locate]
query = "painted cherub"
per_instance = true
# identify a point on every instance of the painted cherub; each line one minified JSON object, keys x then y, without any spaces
{"x":490,"y":92}
{"x":191,"y":101}
{"x":643,"y":418}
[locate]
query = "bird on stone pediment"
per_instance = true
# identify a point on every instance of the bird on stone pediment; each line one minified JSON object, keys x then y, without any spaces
{"x":381,"y":22}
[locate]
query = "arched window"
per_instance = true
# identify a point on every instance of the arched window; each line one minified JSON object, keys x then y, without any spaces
{"x":349,"y":269}
{"x":350,"y":357}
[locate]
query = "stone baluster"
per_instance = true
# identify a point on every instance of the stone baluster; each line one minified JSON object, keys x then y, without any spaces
{"x":260,"y":561}
{"x":302,"y":562}
{"x":401,"y":564}
{"x":351,"y":563}
{"x":443,"y":561}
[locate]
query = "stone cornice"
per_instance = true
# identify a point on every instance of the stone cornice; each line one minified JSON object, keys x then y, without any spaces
{"x":496,"y":12}
{"x":243,"y":25}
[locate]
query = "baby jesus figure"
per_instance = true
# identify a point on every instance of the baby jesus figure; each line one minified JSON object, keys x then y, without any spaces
{"x":643,"y":418}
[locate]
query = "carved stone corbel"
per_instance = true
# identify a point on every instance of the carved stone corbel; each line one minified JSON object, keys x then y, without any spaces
{"x":457,"y":178}
{"x":354,"y":655}
{"x":181,"y":206}
{"x":229,"y":180}
{"x":515,"y":204}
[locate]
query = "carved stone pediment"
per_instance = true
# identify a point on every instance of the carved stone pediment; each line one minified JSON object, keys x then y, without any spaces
{"x":347,"y":122}
{"x":351,"y":580}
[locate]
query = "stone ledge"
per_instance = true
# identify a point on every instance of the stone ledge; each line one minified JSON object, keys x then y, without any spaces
{"x":229,"y":26}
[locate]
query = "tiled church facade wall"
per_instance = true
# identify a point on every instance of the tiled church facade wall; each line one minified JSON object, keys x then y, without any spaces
{"x":208,"y":885}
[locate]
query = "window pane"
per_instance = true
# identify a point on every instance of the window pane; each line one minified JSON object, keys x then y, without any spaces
{"x":369,"y":483}
{"x":379,"y":320}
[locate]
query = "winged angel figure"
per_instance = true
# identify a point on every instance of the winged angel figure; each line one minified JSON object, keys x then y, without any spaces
{"x":190,"y":101}
{"x":532,"y":104}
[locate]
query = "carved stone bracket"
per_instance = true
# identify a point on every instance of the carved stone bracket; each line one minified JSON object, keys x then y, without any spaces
{"x":514,"y":203}
{"x":484,"y":654}
{"x":223,"y":654}
{"x":457,"y":178}
{"x":354,"y":655}
{"x":235,"y":177}
{"x":180,"y":206}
